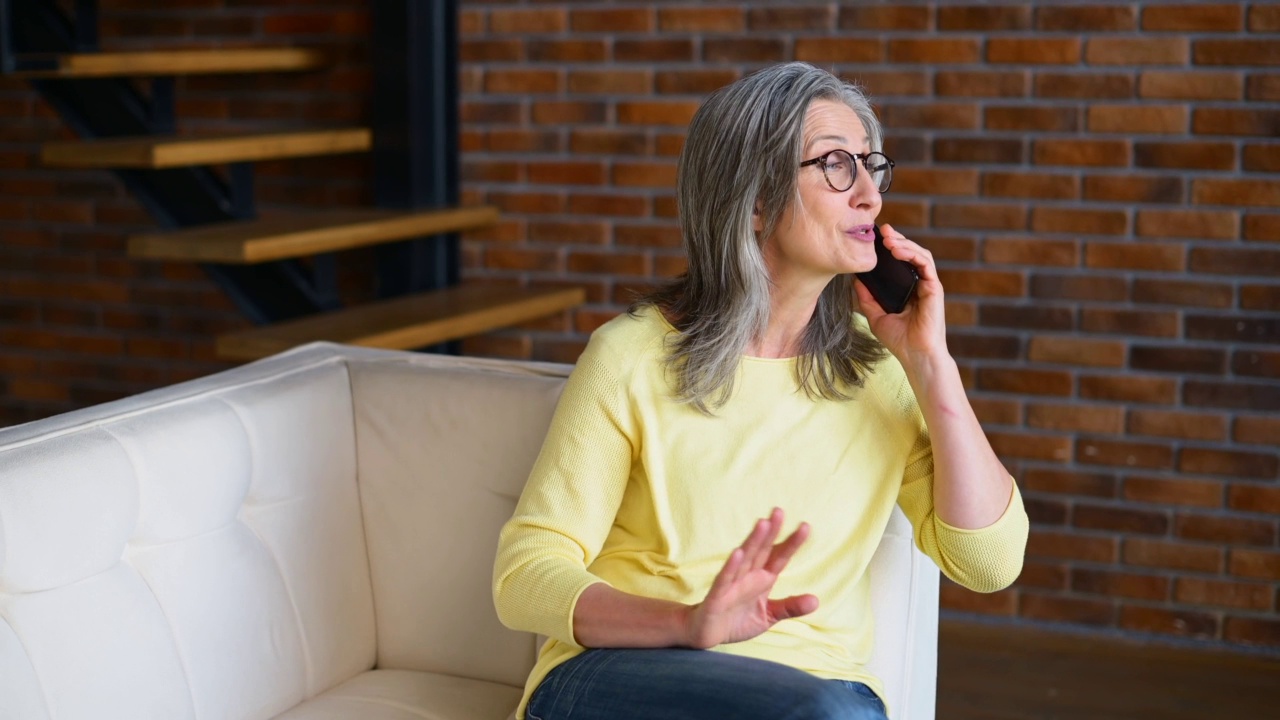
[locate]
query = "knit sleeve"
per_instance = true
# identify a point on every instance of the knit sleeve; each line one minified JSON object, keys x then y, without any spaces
{"x":983,"y":560}
{"x":569,"y":503}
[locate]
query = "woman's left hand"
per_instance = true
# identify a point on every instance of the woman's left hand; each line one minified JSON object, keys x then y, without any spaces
{"x":920,"y":330}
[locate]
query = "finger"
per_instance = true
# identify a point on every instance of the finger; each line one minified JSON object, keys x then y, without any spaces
{"x":727,"y":574}
{"x":792,"y":607}
{"x":867,"y":303}
{"x":753,"y":545}
{"x":766,"y":547}
{"x":785,"y":550}
{"x":913,"y":252}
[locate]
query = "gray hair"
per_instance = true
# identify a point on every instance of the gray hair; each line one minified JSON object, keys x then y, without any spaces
{"x":742,"y":154}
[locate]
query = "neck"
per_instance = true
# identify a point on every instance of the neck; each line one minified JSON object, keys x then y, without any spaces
{"x":791,"y":306}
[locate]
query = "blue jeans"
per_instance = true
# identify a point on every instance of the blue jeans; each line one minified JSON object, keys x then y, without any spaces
{"x":677,"y":684}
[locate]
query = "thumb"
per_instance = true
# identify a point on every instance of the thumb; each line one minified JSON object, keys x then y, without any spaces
{"x":867,"y":303}
{"x":792,"y":607}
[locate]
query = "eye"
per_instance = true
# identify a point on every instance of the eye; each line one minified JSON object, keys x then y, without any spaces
{"x":837,"y":162}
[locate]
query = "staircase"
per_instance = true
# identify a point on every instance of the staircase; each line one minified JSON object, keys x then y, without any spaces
{"x":281,"y":270}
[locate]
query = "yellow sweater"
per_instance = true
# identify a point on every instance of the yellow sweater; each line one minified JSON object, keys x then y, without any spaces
{"x":644,"y":493}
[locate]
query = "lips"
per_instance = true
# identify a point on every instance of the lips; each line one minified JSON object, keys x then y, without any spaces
{"x":863,"y":233}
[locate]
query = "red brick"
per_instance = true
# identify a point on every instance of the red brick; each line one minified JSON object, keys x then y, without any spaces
{"x":996,"y":412}
{"x":1080,"y":418}
{"x":891,"y":83}
{"x":1076,"y":351}
{"x":523,"y":259}
{"x":648,"y":175}
{"x":523,"y":81}
{"x":958,"y":598}
{"x":1227,"y":462}
{"x":1169,"y":119}
{"x":1233,"y":261}
{"x":812,"y":17}
{"x":934,"y":115}
{"x":744,"y":50}
{"x":1249,"y":53}
{"x":994,"y":217}
{"x":1070,"y":482}
{"x":1129,"y":322}
{"x":1094,"y":18}
{"x":1030,"y":251}
{"x":1194,"y":155}
{"x":1262,"y":158}
{"x":1049,"y":576}
{"x":978,"y":150}
{"x":1037,"y":51}
{"x":1194,"y":493}
{"x":1037,"y":317}
{"x":1117,"y":584}
{"x":653,"y":51}
{"x":1221,"y":121}
{"x":934,"y":50}
{"x":567,"y":173}
{"x":1082,"y":152}
{"x":982,"y":282}
{"x":1078,"y":221}
{"x":527,"y":21}
{"x":1251,"y":429}
{"x":1124,"y":453}
{"x":1181,"y":292}
{"x":1177,"y":85}
{"x":648,"y":235}
{"x":612,"y":20}
{"x":669,"y":145}
{"x":981,"y":84}
{"x":1135,"y":256}
{"x":568,"y":51}
{"x":1263,"y":87}
{"x":563,"y":113}
{"x":575,"y":233}
{"x":1223,"y":593}
{"x":884,"y":17}
{"x":668,"y":266}
{"x":1236,"y":395}
{"x":1133,"y":189}
{"x":1262,"y":227}
{"x":656,"y":113}
{"x":1249,"y":330}
{"x":1260,"y":297}
{"x":523,"y":141}
{"x":1092,"y":86}
{"x":1221,"y":17}
{"x":1030,"y":185}
{"x":1261,"y":564}
{"x":1252,"y":631}
{"x":1197,"y":224}
{"x":1029,"y":382}
{"x":526,"y":202}
{"x":1072,"y":546}
{"x":1264,"y":18}
{"x":935,"y":181}
{"x":1067,"y":609}
{"x":1004,"y":347}
{"x":1169,"y":622}
{"x":1137,"y":51}
{"x":1146,"y":552}
{"x":1021,"y":117}
{"x":838,"y":50}
{"x":902,"y":213}
{"x":1224,"y":529}
{"x":1192,"y":426}
{"x":1042,"y":512}
{"x":607,"y":263}
{"x":610,"y":82}
{"x":1257,"y":498}
{"x":981,"y":17}
{"x":714,"y":19}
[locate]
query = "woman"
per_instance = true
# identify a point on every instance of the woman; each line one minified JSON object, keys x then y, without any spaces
{"x":759,"y":381}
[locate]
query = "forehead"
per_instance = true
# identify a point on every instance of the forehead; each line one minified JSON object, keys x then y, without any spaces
{"x":828,"y":120}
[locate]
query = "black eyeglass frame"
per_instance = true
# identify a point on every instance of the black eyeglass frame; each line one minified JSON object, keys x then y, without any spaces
{"x":853,"y":176}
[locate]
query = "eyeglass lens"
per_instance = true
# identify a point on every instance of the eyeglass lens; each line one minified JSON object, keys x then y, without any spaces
{"x":840,"y":170}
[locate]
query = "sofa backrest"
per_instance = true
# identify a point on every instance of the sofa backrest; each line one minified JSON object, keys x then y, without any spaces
{"x":193,"y":552}
{"x":444,"y":449}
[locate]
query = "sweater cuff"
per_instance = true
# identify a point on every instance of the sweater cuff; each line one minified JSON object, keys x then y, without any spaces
{"x":993,"y":554}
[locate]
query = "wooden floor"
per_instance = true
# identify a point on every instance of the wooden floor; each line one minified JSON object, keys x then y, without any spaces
{"x":988,"y":672}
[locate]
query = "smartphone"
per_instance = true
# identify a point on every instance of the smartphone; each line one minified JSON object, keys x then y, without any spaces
{"x":891,"y":281}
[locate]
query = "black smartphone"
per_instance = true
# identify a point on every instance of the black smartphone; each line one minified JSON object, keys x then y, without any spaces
{"x":891,"y":281}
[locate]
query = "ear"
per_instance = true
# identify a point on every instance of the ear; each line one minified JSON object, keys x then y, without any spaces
{"x":757,"y":222}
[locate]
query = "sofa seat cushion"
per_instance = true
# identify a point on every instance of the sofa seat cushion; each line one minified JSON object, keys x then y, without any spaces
{"x":409,"y":695}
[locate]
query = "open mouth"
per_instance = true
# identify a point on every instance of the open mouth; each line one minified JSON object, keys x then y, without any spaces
{"x":865,"y":233}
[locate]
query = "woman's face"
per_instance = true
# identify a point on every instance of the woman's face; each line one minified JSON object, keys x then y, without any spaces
{"x":826,"y":232}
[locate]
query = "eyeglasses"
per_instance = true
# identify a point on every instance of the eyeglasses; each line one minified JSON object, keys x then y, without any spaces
{"x":840,"y":171}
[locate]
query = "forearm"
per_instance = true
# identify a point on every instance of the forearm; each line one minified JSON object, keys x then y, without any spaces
{"x":971,"y":487}
{"x":605,"y":617}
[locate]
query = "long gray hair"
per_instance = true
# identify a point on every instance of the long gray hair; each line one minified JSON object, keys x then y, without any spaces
{"x":742,"y":154}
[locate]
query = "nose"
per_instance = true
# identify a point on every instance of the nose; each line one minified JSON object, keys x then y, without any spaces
{"x":864,"y":195}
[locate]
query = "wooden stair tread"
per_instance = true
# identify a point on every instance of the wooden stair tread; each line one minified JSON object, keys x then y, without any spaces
{"x":174,"y":62}
{"x":292,"y":236}
{"x":407,"y":322}
{"x":165,"y":152}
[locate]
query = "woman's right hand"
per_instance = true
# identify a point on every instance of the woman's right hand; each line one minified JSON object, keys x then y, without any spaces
{"x":738,"y":607}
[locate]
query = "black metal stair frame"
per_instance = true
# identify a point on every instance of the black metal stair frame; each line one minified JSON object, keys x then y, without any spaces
{"x":415,"y":147}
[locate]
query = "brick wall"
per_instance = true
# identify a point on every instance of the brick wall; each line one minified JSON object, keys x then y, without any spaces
{"x":1098,"y":182}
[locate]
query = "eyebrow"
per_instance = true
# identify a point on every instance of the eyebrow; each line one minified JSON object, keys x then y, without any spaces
{"x":838,"y":138}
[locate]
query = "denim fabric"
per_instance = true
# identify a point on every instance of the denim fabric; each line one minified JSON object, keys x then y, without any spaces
{"x":677,"y":684}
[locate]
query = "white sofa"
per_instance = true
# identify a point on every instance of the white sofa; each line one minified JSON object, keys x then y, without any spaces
{"x":306,"y":537}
